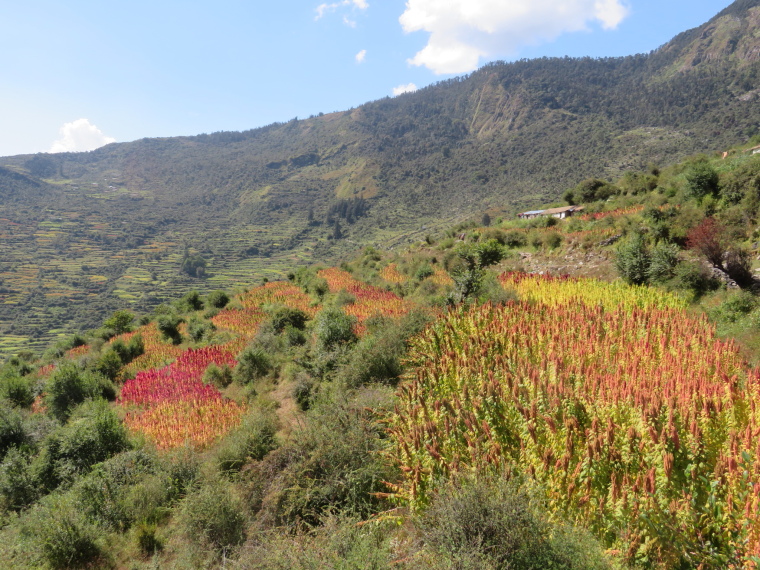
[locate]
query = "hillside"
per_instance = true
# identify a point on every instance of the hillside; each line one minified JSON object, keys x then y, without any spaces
{"x":113,"y":227}
{"x":432,"y":407}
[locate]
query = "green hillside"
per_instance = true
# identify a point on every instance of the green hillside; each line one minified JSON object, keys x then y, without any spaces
{"x":86,"y":233}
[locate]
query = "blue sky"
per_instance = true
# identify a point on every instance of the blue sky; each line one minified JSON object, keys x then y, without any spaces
{"x":79,"y":73}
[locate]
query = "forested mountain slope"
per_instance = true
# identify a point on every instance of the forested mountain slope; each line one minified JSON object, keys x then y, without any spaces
{"x":114,"y":227}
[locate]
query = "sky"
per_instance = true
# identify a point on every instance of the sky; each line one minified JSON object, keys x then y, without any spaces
{"x":78,"y":74}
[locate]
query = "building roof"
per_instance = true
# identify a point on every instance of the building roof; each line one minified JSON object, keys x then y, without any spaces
{"x":553,"y":211}
{"x":532,"y":212}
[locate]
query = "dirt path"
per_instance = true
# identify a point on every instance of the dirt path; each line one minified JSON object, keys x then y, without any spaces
{"x":288,"y":412}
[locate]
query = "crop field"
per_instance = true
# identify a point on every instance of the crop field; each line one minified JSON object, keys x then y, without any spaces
{"x":637,"y":420}
{"x":62,"y":270}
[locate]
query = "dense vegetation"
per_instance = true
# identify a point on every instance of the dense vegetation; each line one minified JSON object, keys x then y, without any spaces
{"x":434,"y":408}
{"x":134,"y":225}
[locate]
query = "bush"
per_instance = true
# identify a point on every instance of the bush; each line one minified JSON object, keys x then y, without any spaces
{"x":70,"y":385}
{"x":219,"y":376}
{"x":251,"y":441}
{"x":191,"y":301}
{"x":282,"y":317}
{"x":332,"y":465}
{"x":633,"y":260}
{"x":129,"y":351}
{"x":18,"y":487}
{"x":198,"y":329}
{"x":333,"y":328}
{"x":60,"y":535}
{"x":109,"y":364}
{"x":663,"y":261}
{"x":105,"y":494}
{"x":120,"y":322}
{"x":737,"y":306}
{"x":93,"y":434}
{"x":253,"y":363}
{"x":168,"y":325}
{"x":709,"y":239}
{"x":423,"y":272}
{"x":702,"y":180}
{"x":493,"y":523}
{"x":515,"y":239}
{"x":18,"y":390}
{"x":552,"y":240}
{"x":695,"y":278}
{"x":213,"y":515}
{"x":12,"y":432}
{"x":218,"y":299}
{"x":375,"y":359}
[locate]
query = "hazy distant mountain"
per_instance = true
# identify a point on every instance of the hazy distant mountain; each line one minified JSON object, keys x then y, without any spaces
{"x":112,"y":227}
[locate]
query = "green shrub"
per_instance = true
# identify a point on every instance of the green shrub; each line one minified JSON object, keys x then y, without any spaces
{"x":148,"y":540}
{"x":702,"y":180}
{"x":663,"y":261}
{"x":333,"y":327}
{"x":168,"y":325}
{"x":375,"y":359}
{"x":303,"y":392}
{"x":70,"y":385}
{"x":191,"y":301}
{"x":213,"y":515}
{"x":12,"y":432}
{"x":423,"y":272}
{"x":493,"y":523}
{"x":282,"y":317}
{"x":18,"y":390}
{"x":339,"y":543}
{"x":343,"y":298}
{"x":61,"y":536}
{"x":219,"y":376}
{"x":18,"y":487}
{"x":104,"y":495}
{"x":253,"y":363}
{"x":129,"y":351}
{"x":633,"y":260}
{"x":294,"y":336}
{"x":218,"y":299}
{"x":109,"y":364}
{"x":515,"y":239}
{"x":198,"y":329}
{"x":120,"y":322}
{"x":251,"y":441}
{"x":93,"y":434}
{"x":736,"y":306}
{"x":552,"y":240}
{"x":694,"y":277}
{"x":332,"y":465}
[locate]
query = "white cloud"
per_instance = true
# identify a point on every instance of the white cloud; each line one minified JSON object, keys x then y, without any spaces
{"x":408,"y":88}
{"x":79,"y":136}
{"x":463,"y":31}
{"x":323,"y":9}
{"x":360,"y":56}
{"x":350,"y":23}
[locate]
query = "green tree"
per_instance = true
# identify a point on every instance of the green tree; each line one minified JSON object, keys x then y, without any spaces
{"x":702,"y":180}
{"x":120,"y":322}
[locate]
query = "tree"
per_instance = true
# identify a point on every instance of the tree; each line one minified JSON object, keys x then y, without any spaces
{"x":194,"y":265}
{"x":709,"y":239}
{"x":486,"y":221}
{"x":702,"y":180}
{"x":120,"y":322}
